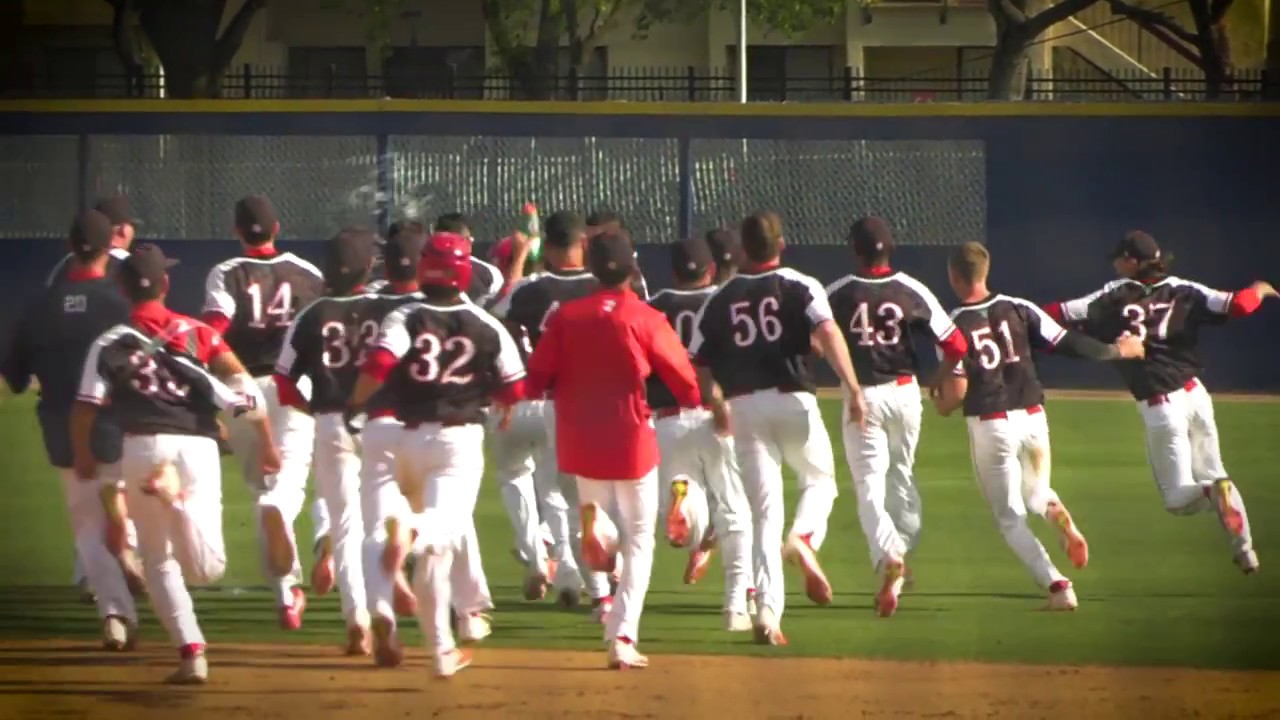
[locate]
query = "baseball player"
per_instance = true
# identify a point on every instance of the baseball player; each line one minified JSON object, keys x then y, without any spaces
{"x":52,"y":339}
{"x":876,"y":309}
{"x":486,"y":280}
{"x":602,"y":221}
{"x":607,"y":440}
{"x":524,"y":454}
{"x":697,"y":470}
{"x":751,"y":339}
{"x":152,"y":370}
{"x":444,"y":358}
{"x":252,"y":300}
{"x":1166,"y":313}
{"x":1003,"y":403}
{"x":123,"y":228}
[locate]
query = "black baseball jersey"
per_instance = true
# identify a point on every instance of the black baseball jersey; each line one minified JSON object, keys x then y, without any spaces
{"x":876,"y":316}
{"x":161,"y":392}
{"x":1003,"y":332}
{"x":261,"y":296}
{"x":1166,"y":315}
{"x":486,"y":282}
{"x":529,"y":305}
{"x":381,"y":287}
{"x":451,"y":360}
{"x":681,"y":308}
{"x":329,"y":341}
{"x":115,"y":256}
{"x":52,"y":339}
{"x":754,"y":331}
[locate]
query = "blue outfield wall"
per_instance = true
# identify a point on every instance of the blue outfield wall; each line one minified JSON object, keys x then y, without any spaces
{"x":1062,"y":184}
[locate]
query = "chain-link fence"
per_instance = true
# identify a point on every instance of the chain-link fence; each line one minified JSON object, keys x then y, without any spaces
{"x":184,"y":186}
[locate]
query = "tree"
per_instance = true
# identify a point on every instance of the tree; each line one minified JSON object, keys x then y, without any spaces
{"x":1208,"y":46}
{"x":1018,"y":24}
{"x":1272,"y":90}
{"x":185,"y":37}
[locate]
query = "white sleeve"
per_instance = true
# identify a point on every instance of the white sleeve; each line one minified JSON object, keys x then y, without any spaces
{"x":1215,"y":301}
{"x":57,"y":271}
{"x":394,"y":333}
{"x":940,"y":323}
{"x":958,"y":370}
{"x":288,"y":355}
{"x":94,"y":388}
{"x":1050,"y":331}
{"x":221,"y":393}
{"x":509,"y":365}
{"x":216,"y":297}
{"x":1078,"y":309}
{"x":819,"y":308}
{"x":503,"y":306}
{"x":695,"y":344}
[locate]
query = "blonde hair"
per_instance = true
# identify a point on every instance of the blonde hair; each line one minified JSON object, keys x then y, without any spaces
{"x":970,"y":262}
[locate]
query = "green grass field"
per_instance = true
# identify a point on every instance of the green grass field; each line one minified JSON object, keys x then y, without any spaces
{"x":1160,"y":590}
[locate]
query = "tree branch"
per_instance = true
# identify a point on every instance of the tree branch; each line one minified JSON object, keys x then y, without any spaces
{"x":1055,"y":14}
{"x":1011,"y":12}
{"x":1218,"y":10}
{"x":226,"y":46}
{"x":494,"y":20}
{"x":1153,"y":18}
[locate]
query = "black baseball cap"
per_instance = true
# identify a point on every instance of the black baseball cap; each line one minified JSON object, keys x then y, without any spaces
{"x":1137,"y":245}
{"x":690,"y":258}
{"x":611,"y":257}
{"x":348,"y":257}
{"x":90,"y":234}
{"x":871,"y":238}
{"x":725,"y":247}
{"x":256,"y":217}
{"x":143,"y":272}
{"x":116,"y":208}
{"x":401,"y":251}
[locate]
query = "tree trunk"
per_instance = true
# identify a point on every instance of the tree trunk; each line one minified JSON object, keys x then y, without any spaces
{"x":185,"y":36}
{"x":1008,"y":77}
{"x":1272,"y":89}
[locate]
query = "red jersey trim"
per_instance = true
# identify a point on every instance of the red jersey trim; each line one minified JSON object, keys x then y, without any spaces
{"x":954,"y":346}
{"x":83,"y":274}
{"x":1244,"y":303}
{"x":877,"y":271}
{"x":1054,"y":310}
{"x":380,"y":364}
{"x":262,"y":252}
{"x":217,"y":321}
{"x":511,"y":393}
{"x":287,"y":391}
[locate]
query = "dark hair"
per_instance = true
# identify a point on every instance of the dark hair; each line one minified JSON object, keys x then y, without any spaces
{"x":562,"y":229}
{"x":600,"y":218}
{"x":1153,"y":269}
{"x":439,"y":293}
{"x":761,"y":234}
{"x":454,"y":222}
{"x":410,"y":226}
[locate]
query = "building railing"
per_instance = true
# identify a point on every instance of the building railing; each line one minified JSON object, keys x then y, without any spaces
{"x":671,"y":84}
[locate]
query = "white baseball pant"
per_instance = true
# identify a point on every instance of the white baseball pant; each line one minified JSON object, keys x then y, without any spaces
{"x":691,"y":450}
{"x":564,"y":491}
{"x":1184,"y":454}
{"x":1011,"y":457}
{"x":770,"y":427}
{"x":88,"y":527}
{"x":294,"y":433}
{"x":881,"y":456}
{"x":442,"y":468}
{"x":337,"y":470}
{"x":380,"y":499}
{"x":182,"y":542}
{"x":632,"y":508}
{"x":517,"y":455}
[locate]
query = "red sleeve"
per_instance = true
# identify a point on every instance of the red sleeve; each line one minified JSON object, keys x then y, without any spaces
{"x":1054,"y":310}
{"x":1244,"y":303}
{"x":545,"y":359}
{"x":511,"y":393}
{"x":954,"y":346}
{"x":670,"y":360}
{"x":217,"y":321}
{"x":380,"y":364}
{"x":209,"y":344}
{"x":287,"y":392}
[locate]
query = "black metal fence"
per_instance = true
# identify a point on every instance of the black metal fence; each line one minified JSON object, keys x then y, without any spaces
{"x":674,"y":84}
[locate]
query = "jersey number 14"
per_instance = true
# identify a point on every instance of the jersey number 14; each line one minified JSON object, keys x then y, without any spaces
{"x":277,"y":313}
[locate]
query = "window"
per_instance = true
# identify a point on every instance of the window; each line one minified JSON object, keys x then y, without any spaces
{"x":787,"y":72}
{"x":327,"y":72}
{"x":435,"y":72}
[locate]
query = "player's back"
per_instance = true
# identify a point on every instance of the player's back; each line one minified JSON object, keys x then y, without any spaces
{"x":529,"y":305}
{"x":61,"y":328}
{"x":876,"y":316}
{"x":1003,"y":332}
{"x":154,"y":391}
{"x":62,"y":271}
{"x":486,"y":283}
{"x":681,"y":310}
{"x":261,"y":296}
{"x":451,"y":360}
{"x":754,"y":331}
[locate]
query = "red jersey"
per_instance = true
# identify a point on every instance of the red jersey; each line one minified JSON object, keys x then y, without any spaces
{"x":186,"y":335}
{"x":593,"y":359}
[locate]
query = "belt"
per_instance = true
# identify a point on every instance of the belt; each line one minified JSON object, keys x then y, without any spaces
{"x":1164,"y":398}
{"x":1033,"y":410}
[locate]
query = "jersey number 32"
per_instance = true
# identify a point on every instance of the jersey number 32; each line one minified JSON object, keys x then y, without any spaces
{"x":442,"y":361}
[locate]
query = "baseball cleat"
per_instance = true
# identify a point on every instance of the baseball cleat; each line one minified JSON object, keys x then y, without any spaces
{"x":474,"y":627}
{"x":359,"y":641}
{"x":892,"y":574}
{"x":323,"y":570}
{"x":767,"y":631}
{"x":1232,"y":518}
{"x":600,"y":609}
{"x":117,"y":636}
{"x":193,"y":669}
{"x":624,"y":656}
{"x":798,"y":551}
{"x":699,"y":562}
{"x":1247,"y":561}
{"x":449,"y":663}
{"x":1073,"y":542}
{"x":281,"y":554}
{"x":1062,"y":596}
{"x":677,"y":523}
{"x":737,"y":621}
{"x":387,"y":651}
{"x":594,"y":553}
{"x":291,"y":615}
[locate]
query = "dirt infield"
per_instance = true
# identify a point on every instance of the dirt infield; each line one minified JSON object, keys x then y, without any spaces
{"x":70,"y":681}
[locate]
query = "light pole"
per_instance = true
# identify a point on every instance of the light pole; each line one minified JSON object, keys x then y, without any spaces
{"x":742,"y":51}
